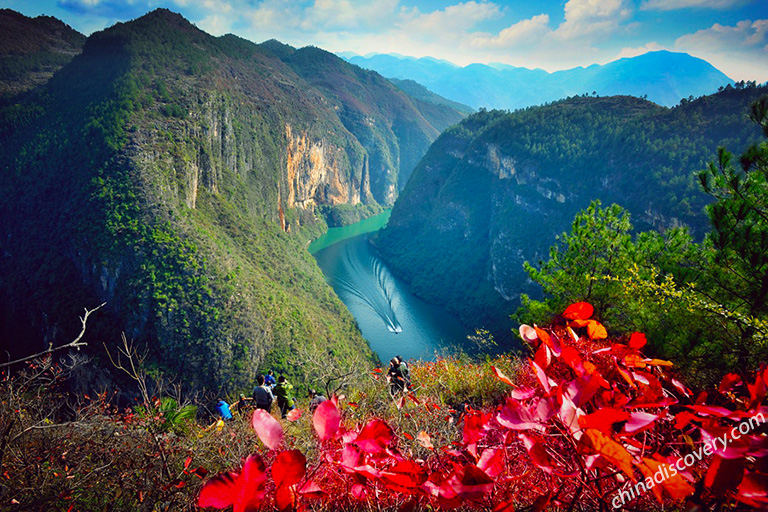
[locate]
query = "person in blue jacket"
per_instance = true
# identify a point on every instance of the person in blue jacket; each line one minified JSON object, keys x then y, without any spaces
{"x":269,"y":379}
{"x":223,"y":409}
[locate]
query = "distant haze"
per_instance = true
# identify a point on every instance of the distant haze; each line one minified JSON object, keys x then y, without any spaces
{"x":664,"y":77}
{"x":547,"y":34}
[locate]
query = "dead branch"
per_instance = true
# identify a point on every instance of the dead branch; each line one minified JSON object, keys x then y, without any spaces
{"x":76,"y":343}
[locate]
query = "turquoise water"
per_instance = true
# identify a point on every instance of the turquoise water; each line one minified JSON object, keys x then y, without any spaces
{"x":391,"y":318}
{"x":335,"y":235}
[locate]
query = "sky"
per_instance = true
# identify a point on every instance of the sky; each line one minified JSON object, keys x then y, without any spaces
{"x":730,"y":34}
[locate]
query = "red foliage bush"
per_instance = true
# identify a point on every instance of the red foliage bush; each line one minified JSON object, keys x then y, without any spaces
{"x":592,"y":425}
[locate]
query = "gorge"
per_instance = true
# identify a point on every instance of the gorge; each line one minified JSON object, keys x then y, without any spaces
{"x":390,"y":317}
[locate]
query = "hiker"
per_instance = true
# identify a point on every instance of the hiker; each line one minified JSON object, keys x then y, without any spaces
{"x":242,"y":404}
{"x":269,"y":379}
{"x":283,"y":393}
{"x":222,"y":408}
{"x":405,"y":372}
{"x":395,"y":377}
{"x":315,"y":400}
{"x":262,"y":394}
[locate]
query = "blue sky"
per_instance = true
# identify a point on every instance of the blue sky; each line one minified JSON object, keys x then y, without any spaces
{"x":548,"y":34}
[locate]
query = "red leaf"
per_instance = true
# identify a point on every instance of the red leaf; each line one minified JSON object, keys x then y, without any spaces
{"x":267,"y":428}
{"x":474,"y":427}
{"x":538,"y":453}
{"x":528,"y":333}
{"x":754,"y":485}
{"x":285,"y":498}
{"x":505,"y":506}
{"x":596,"y":331}
{"x":681,"y":387}
{"x":200,"y":472}
{"x":639,"y":421}
{"x":724,"y":475}
{"x":312,"y":490}
{"x":424,"y":440}
{"x":516,"y":416}
{"x":187,"y":462}
{"x":523,"y":393}
{"x":543,"y":356}
{"x":603,"y":419}
{"x":637,"y":340}
{"x":542,"y":502}
{"x":326,"y":420}
{"x":375,"y":436}
{"x":500,"y":375}
{"x":711,"y":410}
{"x":405,"y":476}
{"x":757,"y":390}
{"x":351,"y":456}
{"x":492,"y":462}
{"x":293,"y":414}
{"x":541,"y":376}
{"x":597,"y":442}
{"x":569,"y":414}
{"x":572,"y":358}
{"x":289,"y":467}
{"x":245,"y":491}
{"x":552,"y":342}
{"x":470,"y":482}
{"x":674,"y":483}
{"x":730,"y":380}
{"x":582,"y":390}
{"x":579,"y":311}
{"x":683,"y":419}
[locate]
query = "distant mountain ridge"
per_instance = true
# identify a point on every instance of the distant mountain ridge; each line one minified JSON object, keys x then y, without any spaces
{"x":663,"y":77}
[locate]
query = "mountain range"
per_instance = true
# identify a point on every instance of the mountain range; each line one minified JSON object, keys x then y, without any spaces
{"x":497,"y":189}
{"x":177,"y":176}
{"x":662,"y":77}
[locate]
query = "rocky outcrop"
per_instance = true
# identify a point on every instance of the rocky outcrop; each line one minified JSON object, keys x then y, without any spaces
{"x":316,"y":174}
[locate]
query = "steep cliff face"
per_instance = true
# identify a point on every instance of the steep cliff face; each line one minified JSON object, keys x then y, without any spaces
{"x":175,"y":176}
{"x":497,"y":189}
{"x":390,"y":126}
{"x":314,"y":173}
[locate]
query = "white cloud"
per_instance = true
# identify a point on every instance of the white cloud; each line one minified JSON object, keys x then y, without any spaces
{"x":525,"y":31}
{"x":740,"y":51}
{"x":585,"y":18}
{"x":216,"y":24}
{"x":453,"y":20}
{"x":349,"y":14}
{"x":634,"y":52}
{"x":670,"y":5}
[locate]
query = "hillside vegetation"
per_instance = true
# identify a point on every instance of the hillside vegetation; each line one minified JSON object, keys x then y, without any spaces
{"x":587,"y":422}
{"x":32,"y":50}
{"x":497,"y":189}
{"x":177,"y":176}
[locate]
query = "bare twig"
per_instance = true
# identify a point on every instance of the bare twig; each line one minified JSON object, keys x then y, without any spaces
{"x":76,"y":343}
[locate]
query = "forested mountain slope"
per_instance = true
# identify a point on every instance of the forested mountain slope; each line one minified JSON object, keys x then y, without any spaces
{"x":498,"y":188}
{"x":175,"y":176}
{"x":32,"y":50}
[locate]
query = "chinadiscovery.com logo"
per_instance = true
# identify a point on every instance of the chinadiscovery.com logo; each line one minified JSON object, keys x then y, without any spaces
{"x":667,"y":471}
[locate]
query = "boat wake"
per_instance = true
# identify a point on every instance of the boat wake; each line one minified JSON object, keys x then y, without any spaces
{"x":373,"y":285}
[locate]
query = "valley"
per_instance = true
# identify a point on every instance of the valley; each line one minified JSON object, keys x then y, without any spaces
{"x":390,"y":317}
